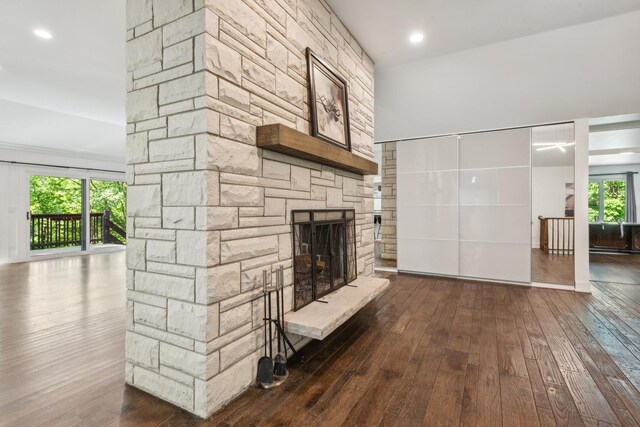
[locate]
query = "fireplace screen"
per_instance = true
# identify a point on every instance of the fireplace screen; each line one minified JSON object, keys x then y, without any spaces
{"x":324,"y":253}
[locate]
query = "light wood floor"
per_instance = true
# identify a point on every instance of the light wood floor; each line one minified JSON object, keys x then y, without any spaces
{"x":552,"y":268}
{"x":378,"y":261}
{"x":428,"y":351}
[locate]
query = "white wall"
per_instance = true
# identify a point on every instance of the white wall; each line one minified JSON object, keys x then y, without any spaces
{"x":617,"y":169}
{"x":14,"y":191}
{"x":547,"y":195}
{"x":589,"y":70}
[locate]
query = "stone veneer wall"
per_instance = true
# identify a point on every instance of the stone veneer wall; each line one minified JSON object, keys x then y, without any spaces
{"x":207,"y":210}
{"x":388,"y":231}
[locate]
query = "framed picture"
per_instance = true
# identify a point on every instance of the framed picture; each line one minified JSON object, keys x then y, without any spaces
{"x":328,"y":101}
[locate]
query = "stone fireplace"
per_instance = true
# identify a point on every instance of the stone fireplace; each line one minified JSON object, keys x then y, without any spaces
{"x":324,"y":253}
{"x":208,"y":210}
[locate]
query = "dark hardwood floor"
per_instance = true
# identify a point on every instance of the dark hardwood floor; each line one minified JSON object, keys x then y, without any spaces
{"x":429,"y":351}
{"x":618,"y":268}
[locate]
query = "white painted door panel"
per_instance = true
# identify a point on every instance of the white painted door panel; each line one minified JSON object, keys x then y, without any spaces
{"x":428,"y":205}
{"x":495,"y":205}
{"x":428,"y":256}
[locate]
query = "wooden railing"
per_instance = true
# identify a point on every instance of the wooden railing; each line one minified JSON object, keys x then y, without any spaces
{"x":48,"y":231}
{"x":557,"y":235}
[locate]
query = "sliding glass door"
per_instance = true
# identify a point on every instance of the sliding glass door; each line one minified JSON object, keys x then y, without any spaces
{"x":74,"y":213}
{"x":55,"y":214}
{"x":108,"y":203}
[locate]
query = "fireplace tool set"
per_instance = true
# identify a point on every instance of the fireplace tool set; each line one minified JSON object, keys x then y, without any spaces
{"x":272,"y":372}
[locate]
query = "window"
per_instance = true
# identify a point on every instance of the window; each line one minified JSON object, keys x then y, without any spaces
{"x":108,"y":202}
{"x":60,"y":217}
{"x":607,"y":200}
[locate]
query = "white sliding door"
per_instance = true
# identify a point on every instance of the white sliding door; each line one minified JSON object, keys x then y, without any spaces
{"x":495,"y":205}
{"x":427,"y":179}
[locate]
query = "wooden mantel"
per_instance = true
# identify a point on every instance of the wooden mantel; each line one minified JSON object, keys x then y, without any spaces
{"x":285,"y":140}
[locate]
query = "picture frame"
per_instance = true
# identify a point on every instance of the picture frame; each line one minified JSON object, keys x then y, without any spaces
{"x":328,"y":102}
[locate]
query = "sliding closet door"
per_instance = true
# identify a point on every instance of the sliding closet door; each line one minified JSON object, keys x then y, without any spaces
{"x":495,"y":212}
{"x":427,"y":179}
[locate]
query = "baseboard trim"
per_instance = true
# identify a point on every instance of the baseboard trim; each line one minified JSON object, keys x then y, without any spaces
{"x":552,"y":286}
{"x":387,"y":269}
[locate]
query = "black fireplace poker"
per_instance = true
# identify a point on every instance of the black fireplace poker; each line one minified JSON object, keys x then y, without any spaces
{"x":278,"y":372}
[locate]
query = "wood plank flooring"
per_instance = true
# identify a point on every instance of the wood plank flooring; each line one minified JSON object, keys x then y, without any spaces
{"x":552,"y":268}
{"x":429,"y":351}
{"x":379,"y":262}
{"x":618,"y":268}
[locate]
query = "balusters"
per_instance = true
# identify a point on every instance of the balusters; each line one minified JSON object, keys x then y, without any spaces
{"x":59,"y":230}
{"x":557,"y":235}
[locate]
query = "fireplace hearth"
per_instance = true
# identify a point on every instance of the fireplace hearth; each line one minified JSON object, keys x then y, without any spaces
{"x":324,"y":253}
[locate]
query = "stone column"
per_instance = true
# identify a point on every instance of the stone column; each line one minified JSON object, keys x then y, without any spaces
{"x":388,"y":231}
{"x":208,"y":210}
{"x":171,"y":250}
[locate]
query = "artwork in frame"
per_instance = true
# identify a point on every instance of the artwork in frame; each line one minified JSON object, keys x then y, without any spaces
{"x":328,"y":102}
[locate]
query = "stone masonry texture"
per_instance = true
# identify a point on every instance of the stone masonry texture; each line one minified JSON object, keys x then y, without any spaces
{"x":207,"y":209}
{"x":388,"y":238}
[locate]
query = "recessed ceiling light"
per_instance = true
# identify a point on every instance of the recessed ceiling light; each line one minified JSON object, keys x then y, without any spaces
{"x":627,"y":152}
{"x":42,"y":33}
{"x":416,"y":38}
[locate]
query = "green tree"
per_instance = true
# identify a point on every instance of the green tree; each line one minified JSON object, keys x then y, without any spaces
{"x":55,"y":195}
{"x":614,"y":200}
{"x":594,"y":201}
{"x":110,"y":196}
{"x":614,"y":197}
{"x":61,"y":195}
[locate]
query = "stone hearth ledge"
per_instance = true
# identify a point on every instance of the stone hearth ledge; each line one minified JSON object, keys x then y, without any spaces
{"x":317,"y":320}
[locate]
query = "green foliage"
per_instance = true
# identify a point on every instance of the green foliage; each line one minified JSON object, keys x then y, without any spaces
{"x":60,"y":195}
{"x":55,"y":195}
{"x":614,"y":200}
{"x":594,"y":201}
{"x":110,"y":196}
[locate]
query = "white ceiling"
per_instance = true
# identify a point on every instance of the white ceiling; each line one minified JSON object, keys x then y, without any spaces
{"x":614,"y":140}
{"x":614,"y":147}
{"x":66,"y":93}
{"x":383,"y":27}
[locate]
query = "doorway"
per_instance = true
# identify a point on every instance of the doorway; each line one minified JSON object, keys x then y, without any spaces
{"x":55,"y":214}
{"x":614,"y":194}
{"x":553,"y":204}
{"x":384,"y":207}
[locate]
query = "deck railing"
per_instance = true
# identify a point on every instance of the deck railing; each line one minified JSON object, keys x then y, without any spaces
{"x":557,"y":235}
{"x":48,"y":231}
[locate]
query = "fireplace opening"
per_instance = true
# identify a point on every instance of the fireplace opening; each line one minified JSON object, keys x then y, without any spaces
{"x":324,"y":253}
